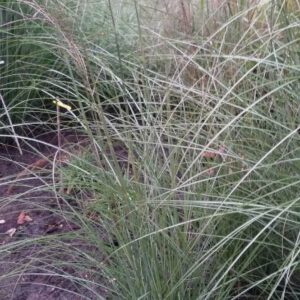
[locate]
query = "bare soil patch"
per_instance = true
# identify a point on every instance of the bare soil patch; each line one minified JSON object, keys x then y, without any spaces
{"x":28,"y":211}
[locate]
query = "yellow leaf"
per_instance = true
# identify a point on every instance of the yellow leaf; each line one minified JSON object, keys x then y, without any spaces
{"x":60,"y":104}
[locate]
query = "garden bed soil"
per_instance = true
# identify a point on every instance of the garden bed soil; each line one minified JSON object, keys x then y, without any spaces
{"x":27,"y":211}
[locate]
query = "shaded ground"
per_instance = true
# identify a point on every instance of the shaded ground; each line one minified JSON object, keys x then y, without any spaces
{"x":26,"y":269}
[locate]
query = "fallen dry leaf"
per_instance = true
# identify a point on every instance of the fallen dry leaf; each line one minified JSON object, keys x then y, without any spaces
{"x":213,"y":154}
{"x":2,"y":222}
{"x":222,"y":150}
{"x":28,"y":219}
{"x":11,"y":231}
{"x":210,"y":171}
{"x":209,"y":154}
{"x":23,"y":218}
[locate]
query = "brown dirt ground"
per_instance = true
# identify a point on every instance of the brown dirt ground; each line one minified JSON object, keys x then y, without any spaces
{"x":25,"y":275}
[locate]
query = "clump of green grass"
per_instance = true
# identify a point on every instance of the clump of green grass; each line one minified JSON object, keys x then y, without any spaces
{"x":205,"y":203}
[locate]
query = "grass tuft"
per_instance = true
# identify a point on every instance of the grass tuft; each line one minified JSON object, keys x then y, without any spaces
{"x":187,"y":186}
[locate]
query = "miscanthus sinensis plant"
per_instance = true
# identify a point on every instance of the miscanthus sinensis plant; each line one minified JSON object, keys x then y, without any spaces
{"x":201,"y":100}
